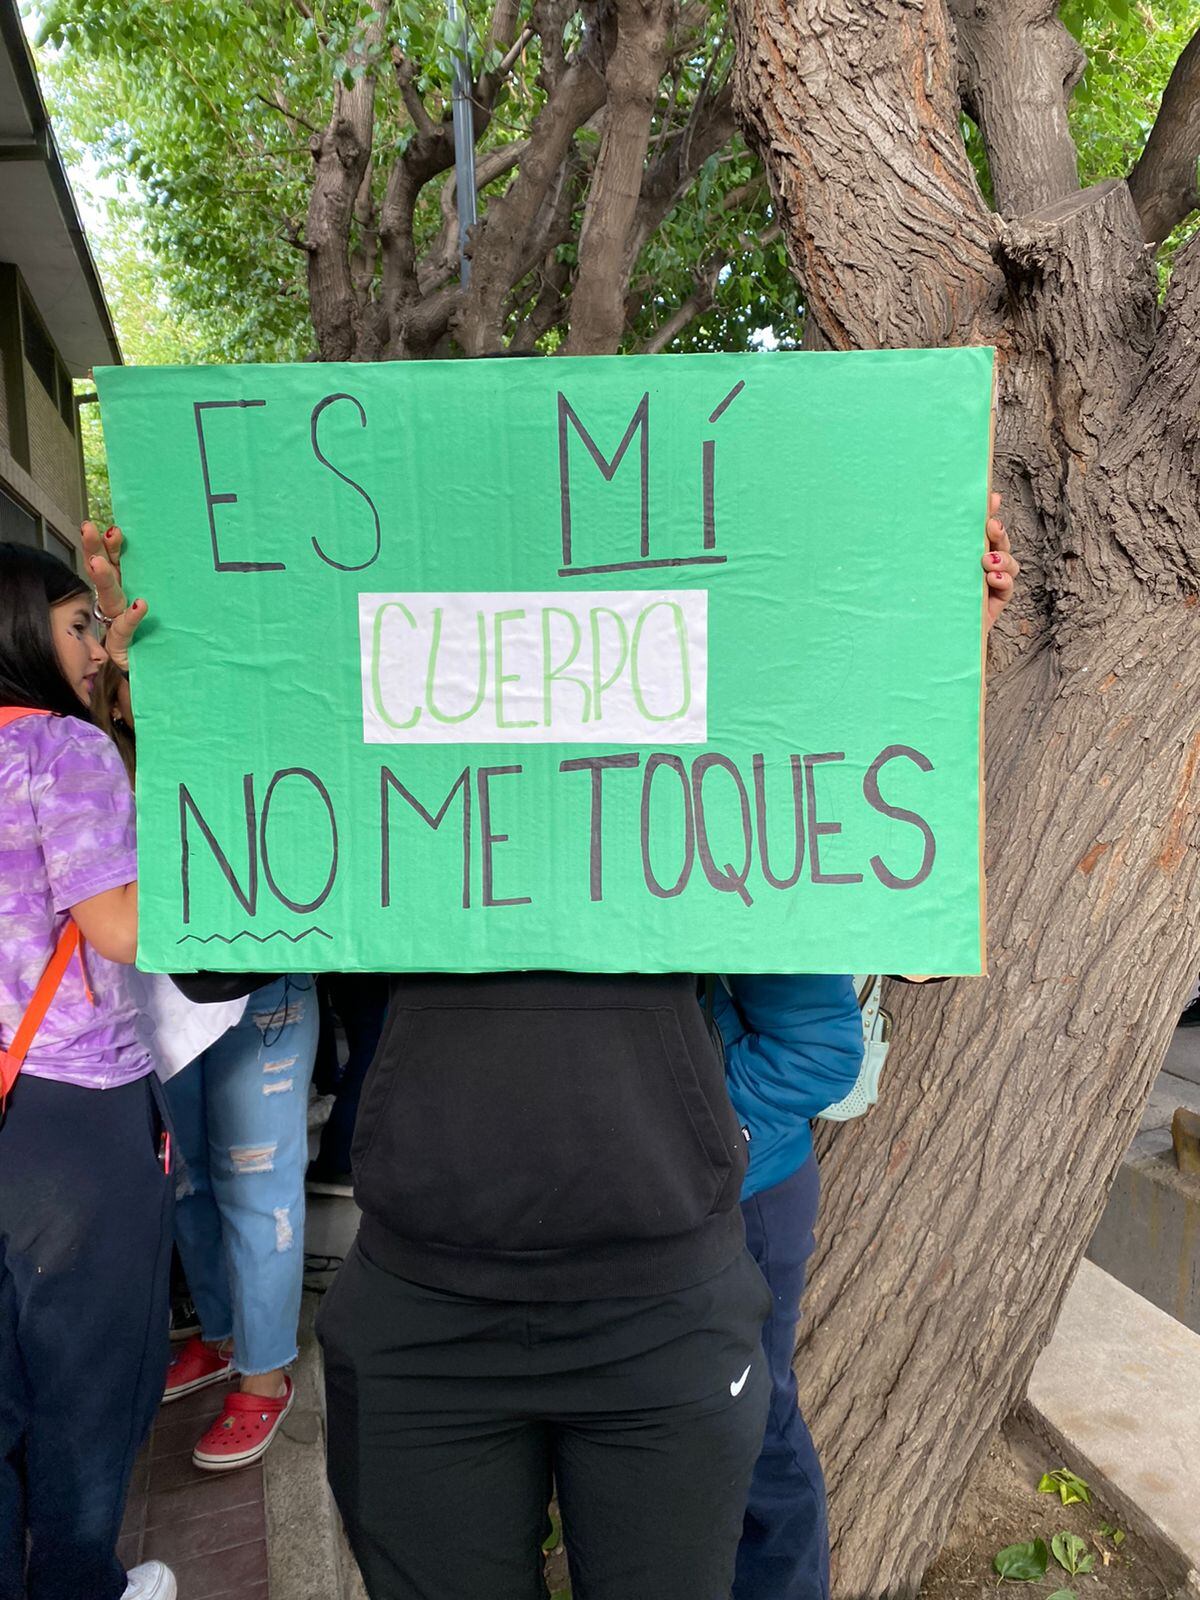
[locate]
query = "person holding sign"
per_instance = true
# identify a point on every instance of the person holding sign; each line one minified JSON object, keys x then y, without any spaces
{"x":550,"y":1285}
{"x":85,"y":1156}
{"x":550,"y":1282}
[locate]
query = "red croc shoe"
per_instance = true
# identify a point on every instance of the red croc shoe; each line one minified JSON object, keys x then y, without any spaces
{"x":195,"y":1367}
{"x":243,"y":1432}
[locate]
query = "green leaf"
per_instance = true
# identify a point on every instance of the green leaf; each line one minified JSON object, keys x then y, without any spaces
{"x":1070,"y":1551}
{"x":1062,"y":1594}
{"x":1118,"y":1537}
{"x":1070,"y":1488}
{"x":1023,"y":1563}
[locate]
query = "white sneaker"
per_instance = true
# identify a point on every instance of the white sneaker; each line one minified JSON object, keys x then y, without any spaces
{"x":150,"y":1581}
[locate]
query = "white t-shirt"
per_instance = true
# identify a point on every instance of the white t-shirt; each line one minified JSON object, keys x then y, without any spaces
{"x":175,"y":1029}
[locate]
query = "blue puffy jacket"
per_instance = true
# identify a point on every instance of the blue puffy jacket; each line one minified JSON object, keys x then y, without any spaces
{"x":793,"y":1047}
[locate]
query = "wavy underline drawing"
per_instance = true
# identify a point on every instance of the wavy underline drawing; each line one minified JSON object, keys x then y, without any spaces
{"x":259,"y":938}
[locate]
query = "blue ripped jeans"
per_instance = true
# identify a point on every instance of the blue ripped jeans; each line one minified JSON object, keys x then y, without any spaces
{"x":240,"y":1113}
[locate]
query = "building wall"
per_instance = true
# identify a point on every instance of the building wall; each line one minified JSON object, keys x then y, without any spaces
{"x":53,"y":452}
{"x":10,"y":349}
{"x":41,"y":466}
{"x":5,"y":440}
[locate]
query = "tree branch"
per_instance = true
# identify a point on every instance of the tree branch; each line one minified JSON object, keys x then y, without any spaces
{"x":859,"y":131}
{"x":502,"y":35}
{"x":501,"y":240}
{"x":605,"y":258}
{"x":548,"y":19}
{"x":440,"y":262}
{"x":1152,"y":460}
{"x":1018,"y":68}
{"x":1164,"y":183}
{"x":502,"y":28}
{"x":429,"y":153}
{"x":509,"y":60}
{"x":1081,"y":289}
{"x":669,"y":176}
{"x":697,"y":303}
{"x":306,"y":12}
{"x":341,"y":155}
{"x":549,"y":308}
{"x":406,"y":72}
{"x":281,"y":107}
{"x":702,"y":296}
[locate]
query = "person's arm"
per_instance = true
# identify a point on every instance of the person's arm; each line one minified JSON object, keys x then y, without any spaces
{"x":793,"y":1045}
{"x":109,"y":922}
{"x":83,"y":807}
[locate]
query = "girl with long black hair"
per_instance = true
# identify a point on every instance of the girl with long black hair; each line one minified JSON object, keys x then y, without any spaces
{"x":85,"y":1196}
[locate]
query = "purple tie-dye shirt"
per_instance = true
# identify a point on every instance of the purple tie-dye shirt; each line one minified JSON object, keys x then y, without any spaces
{"x":66,"y":833}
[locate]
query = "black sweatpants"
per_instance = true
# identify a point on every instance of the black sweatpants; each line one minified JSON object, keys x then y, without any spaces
{"x":85,"y":1250}
{"x":450,"y":1419}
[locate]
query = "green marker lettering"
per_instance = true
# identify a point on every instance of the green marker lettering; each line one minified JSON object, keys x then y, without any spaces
{"x":376,"y":685}
{"x":684,"y":663}
{"x":431,"y":674}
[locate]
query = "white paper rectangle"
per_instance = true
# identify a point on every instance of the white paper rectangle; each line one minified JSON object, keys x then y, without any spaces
{"x":597,"y":666}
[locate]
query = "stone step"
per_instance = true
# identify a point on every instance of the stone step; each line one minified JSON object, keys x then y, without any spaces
{"x":1117,"y":1392}
{"x":1149,"y":1234}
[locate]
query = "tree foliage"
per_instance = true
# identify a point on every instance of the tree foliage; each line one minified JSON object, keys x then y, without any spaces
{"x":204,"y":113}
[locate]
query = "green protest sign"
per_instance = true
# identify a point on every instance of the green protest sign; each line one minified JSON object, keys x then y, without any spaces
{"x":618,"y":664}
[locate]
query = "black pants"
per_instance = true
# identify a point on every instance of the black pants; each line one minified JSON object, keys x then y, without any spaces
{"x":85,"y":1250}
{"x":451,"y":1418}
{"x":784,"y":1553}
{"x":360,"y":1001}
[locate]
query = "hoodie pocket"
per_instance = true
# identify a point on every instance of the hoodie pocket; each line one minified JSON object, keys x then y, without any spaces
{"x":514,"y":1128}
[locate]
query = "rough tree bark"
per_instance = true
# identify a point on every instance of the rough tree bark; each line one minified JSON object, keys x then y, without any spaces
{"x":955,"y":1214}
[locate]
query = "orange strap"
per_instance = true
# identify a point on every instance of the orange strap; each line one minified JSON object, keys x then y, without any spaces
{"x":13,"y":1059}
{"x":15,"y":713}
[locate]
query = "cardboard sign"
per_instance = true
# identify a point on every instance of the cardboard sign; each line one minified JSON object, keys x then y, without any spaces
{"x":621,"y":664}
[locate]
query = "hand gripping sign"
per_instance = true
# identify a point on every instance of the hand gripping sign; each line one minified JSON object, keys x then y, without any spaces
{"x":620,"y":664}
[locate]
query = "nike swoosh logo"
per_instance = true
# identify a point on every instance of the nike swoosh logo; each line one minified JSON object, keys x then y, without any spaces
{"x":736,"y":1388}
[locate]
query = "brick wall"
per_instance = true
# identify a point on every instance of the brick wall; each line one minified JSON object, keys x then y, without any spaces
{"x":53,"y":453}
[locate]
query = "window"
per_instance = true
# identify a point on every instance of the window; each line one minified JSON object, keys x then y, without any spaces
{"x":60,"y":547}
{"x":39,"y":352}
{"x":66,"y":397}
{"x":17,"y":524}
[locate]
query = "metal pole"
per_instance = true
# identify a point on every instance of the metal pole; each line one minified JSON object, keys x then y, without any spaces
{"x":464,"y":138}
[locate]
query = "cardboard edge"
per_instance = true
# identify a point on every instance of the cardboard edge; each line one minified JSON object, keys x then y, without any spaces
{"x":983,"y":897}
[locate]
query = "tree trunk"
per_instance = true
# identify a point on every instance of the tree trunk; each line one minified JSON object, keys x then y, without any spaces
{"x":955,"y":1214}
{"x":605,"y":258}
{"x":341,"y":155}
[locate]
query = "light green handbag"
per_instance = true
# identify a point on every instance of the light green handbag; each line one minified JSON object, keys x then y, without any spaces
{"x":877,"y":1038}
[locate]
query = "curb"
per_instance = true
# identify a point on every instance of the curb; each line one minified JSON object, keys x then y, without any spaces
{"x":303,"y":1559}
{"x":1115,"y":1393}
